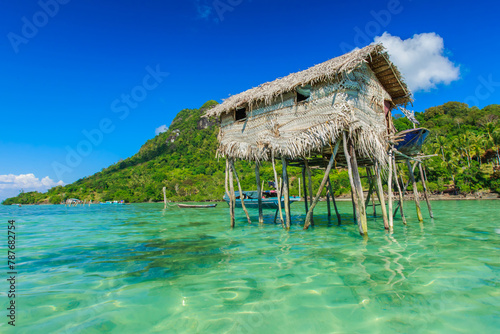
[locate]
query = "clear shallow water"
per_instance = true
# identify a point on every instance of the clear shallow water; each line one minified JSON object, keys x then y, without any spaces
{"x":141,"y":269}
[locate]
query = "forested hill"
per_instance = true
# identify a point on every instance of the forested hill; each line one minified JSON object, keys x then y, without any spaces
{"x":182,"y":159}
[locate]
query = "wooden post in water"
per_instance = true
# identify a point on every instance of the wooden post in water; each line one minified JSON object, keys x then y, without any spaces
{"x":286,"y":192}
{"x":328,"y":202}
{"x":426,"y":194}
{"x":259,"y":191}
{"x":320,"y":190}
{"x":415,"y":191}
{"x":333,"y":200}
{"x":306,"y":202}
{"x":165,"y":197}
{"x":399,"y":190}
{"x":357,"y":190}
{"x":380,"y":194}
{"x":232,"y":197}
{"x":404,"y":188}
{"x":242,"y":195}
{"x":299,"y":187}
{"x":309,"y":184}
{"x":390,"y":192}
{"x":278,"y":188}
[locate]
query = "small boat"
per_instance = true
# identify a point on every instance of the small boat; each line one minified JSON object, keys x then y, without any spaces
{"x":411,"y":141}
{"x":114,"y":203}
{"x":192,"y":206}
{"x":269,"y":199}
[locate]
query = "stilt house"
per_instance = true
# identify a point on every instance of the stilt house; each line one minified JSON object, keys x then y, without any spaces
{"x":303,"y":117}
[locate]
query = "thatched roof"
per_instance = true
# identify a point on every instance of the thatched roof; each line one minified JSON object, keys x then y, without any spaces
{"x":375,"y":55}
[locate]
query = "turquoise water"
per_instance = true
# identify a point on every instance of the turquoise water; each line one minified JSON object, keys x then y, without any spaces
{"x":142,"y":269}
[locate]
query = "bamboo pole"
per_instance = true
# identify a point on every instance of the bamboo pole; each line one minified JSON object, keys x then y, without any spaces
{"x":399,"y":190}
{"x":277,"y":187}
{"x":380,"y":194}
{"x":390,"y":192}
{"x":259,"y":191}
{"x":299,"y":188}
{"x":309,"y":184}
{"x":328,"y":202}
{"x":355,"y":184}
{"x":320,"y":190}
{"x":165,"y":197}
{"x":359,"y":189}
{"x":426,"y":195}
{"x":306,"y":202}
{"x":242,"y":199}
{"x":415,"y":191}
{"x":333,"y":200}
{"x":286,"y":192}
{"x":232,"y":199}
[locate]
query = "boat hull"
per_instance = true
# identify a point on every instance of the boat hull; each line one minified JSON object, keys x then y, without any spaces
{"x":267,"y":203}
{"x":188,"y":206}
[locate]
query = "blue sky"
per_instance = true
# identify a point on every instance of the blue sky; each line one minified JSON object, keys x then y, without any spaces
{"x":120,"y":70}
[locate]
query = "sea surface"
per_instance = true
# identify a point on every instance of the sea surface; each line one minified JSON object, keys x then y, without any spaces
{"x":143,"y":269}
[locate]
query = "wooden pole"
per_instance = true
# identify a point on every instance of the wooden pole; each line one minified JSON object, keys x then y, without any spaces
{"x":306,"y":202}
{"x":309,"y":184}
{"x":357,"y":191}
{"x":404,"y":188}
{"x":165,"y":197}
{"x":370,"y":189}
{"x":299,"y":188}
{"x":399,"y":190}
{"x":286,"y":192}
{"x":232,"y":197}
{"x":259,"y":191}
{"x":415,"y":191}
{"x":426,"y":194}
{"x":328,"y":202}
{"x":242,"y":195}
{"x":320,"y":190}
{"x":390,"y":192}
{"x":333,"y":200}
{"x":278,"y":188}
{"x":380,"y":194}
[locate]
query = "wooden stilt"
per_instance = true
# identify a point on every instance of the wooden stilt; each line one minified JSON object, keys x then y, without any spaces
{"x":354,"y":206}
{"x":278,"y":188}
{"x":320,"y":190}
{"x":242,"y":196}
{"x":259,"y":191}
{"x":390,"y":192}
{"x":333,"y":200}
{"x":165,"y":197}
{"x":370,"y":189}
{"x":415,"y":191}
{"x":404,"y":188}
{"x":328,"y":202}
{"x":309,"y":184}
{"x":299,"y":187}
{"x":357,"y":190}
{"x":306,"y":202}
{"x":426,"y":194}
{"x":399,"y":190}
{"x":286,"y":192}
{"x":380,"y":194}
{"x":232,"y":197}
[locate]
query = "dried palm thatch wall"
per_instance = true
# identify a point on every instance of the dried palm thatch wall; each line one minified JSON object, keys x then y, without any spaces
{"x":347,"y":94}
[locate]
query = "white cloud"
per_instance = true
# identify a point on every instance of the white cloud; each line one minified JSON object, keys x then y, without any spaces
{"x":161,"y":129}
{"x":421,"y":60}
{"x":11,"y":185}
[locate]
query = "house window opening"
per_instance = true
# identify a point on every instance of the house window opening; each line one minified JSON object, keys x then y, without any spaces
{"x":303,"y":93}
{"x":240,"y":114}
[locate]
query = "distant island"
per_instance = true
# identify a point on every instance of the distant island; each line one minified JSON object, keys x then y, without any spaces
{"x":182,"y":159}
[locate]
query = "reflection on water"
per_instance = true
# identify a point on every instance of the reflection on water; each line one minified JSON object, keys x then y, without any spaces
{"x":139,"y":268}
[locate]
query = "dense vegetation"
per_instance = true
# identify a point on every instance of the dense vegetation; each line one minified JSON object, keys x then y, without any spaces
{"x":467,"y":141}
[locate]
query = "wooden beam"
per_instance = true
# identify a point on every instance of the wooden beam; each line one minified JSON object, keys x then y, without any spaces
{"x":306,"y":202}
{"x":277,"y":186}
{"x":426,"y":195}
{"x":362,"y":227}
{"x":259,"y":191}
{"x":333,"y":200}
{"x":232,"y":199}
{"x":415,"y":191}
{"x":396,"y":179}
{"x":242,"y":199}
{"x":286,"y":192}
{"x":380,"y":194}
{"x":309,"y":181}
{"x":325,"y":178}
